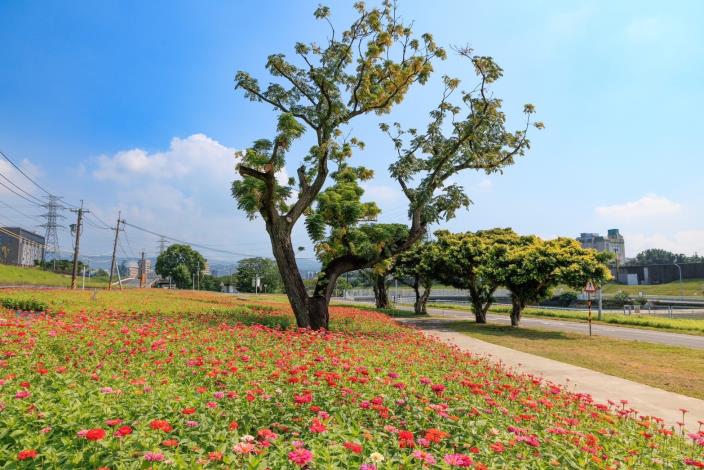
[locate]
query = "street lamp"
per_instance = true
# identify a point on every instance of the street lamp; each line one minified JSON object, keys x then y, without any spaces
{"x":680,"y":269}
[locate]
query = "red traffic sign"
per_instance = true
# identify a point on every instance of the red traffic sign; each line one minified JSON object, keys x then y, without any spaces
{"x":589,"y":288}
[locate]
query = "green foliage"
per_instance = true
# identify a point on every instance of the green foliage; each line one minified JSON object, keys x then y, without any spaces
{"x":659,"y":256}
{"x":23,"y":304}
{"x":532,"y":267}
{"x":472,"y":261}
{"x":63,"y":266}
{"x":180,"y":262}
{"x":265,"y":268}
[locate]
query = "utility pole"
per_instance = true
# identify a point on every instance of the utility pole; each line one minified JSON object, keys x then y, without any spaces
{"x":74,"y":271}
{"x":142,"y":272}
{"x":114,"y":251}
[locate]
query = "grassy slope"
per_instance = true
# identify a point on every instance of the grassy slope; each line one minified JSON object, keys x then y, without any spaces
{"x":688,"y":287}
{"x":18,"y":276}
{"x":679,"y":370}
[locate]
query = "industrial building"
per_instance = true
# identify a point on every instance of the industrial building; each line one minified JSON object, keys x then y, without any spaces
{"x":20,"y":247}
{"x":613,"y":243}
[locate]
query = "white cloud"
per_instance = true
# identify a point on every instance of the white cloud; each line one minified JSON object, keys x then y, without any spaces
{"x":684,"y":241}
{"x":650,"y":205}
{"x":185,"y":157}
{"x":382,"y":194}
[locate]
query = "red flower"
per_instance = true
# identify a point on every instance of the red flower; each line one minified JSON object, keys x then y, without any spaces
{"x":317,"y":426}
{"x":161,"y":425}
{"x":497,"y":447}
{"x":170,"y":443}
{"x":215,"y":456}
{"x":113,"y":422}
{"x":123,"y":431}
{"x":405,"y":439}
{"x":188,"y":411}
{"x":95,"y":434}
{"x":233,"y":426}
{"x":437,"y":388}
{"x":27,"y":454}
{"x":353,"y":447}
{"x":435,"y":435}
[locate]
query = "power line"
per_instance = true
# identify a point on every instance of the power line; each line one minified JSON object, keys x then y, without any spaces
{"x":20,"y":189}
{"x":20,"y":195}
{"x":24,"y":174}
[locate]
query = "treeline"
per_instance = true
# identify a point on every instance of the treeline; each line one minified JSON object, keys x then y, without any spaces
{"x":186,"y":268}
{"x":481,"y":262}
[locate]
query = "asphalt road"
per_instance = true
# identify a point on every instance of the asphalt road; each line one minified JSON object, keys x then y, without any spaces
{"x":637,"y":334}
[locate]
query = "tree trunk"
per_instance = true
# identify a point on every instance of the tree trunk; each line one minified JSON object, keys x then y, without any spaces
{"x":420,"y":306}
{"x":381,"y":295}
{"x":477,"y":306}
{"x":517,"y":308}
{"x":293,"y":282}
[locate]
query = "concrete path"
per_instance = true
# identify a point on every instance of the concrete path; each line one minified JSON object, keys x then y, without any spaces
{"x":647,"y":400}
{"x":601,"y":329}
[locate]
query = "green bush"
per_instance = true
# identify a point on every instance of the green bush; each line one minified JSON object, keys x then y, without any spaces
{"x":23,"y":304}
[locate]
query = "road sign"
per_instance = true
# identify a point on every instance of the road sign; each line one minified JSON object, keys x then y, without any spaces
{"x":589,"y":288}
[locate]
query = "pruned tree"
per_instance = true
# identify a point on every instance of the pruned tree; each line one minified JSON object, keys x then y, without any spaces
{"x":532,"y":267}
{"x":367,"y":68}
{"x":470,"y":260}
{"x":415,"y":268}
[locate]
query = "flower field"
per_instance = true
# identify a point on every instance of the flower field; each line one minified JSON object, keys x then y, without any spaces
{"x":154,"y":379}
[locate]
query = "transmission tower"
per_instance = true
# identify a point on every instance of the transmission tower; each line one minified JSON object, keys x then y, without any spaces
{"x":162,"y":245}
{"x":52,"y":216}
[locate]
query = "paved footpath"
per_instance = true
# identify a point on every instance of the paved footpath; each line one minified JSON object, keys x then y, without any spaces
{"x":647,"y":400}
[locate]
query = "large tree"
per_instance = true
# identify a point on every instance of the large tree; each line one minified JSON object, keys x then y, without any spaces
{"x":415,"y":268}
{"x":468,"y":260}
{"x":365,"y":69}
{"x":181,"y":263}
{"x":532,"y":267}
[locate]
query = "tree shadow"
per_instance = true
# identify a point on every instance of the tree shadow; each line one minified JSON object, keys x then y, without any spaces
{"x":489,"y":329}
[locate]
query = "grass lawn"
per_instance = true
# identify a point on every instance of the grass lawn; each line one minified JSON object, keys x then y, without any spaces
{"x":20,"y":276}
{"x":679,"y":370}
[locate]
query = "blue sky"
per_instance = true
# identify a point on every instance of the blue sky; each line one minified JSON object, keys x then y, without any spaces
{"x":130,"y":106}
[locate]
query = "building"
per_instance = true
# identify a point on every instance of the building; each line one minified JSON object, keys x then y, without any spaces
{"x":613,"y":242}
{"x":21,"y":247}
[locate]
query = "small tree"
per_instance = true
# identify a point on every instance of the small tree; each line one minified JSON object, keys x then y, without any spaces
{"x":532,"y":267}
{"x":470,"y":261}
{"x":249,"y":268}
{"x":366,"y":69}
{"x":415,"y":269}
{"x":181,"y":263}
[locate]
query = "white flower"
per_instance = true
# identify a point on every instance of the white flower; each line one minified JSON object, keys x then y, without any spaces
{"x":376,"y":457}
{"x":247,"y":438}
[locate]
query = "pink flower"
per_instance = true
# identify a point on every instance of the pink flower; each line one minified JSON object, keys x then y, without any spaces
{"x":423,"y":456}
{"x":300,"y":456}
{"x":154,"y":456}
{"x":244,"y":448}
{"x":367,"y":466}
{"x":23,"y":394}
{"x":192,"y":424}
{"x":458,"y":460}
{"x":219,"y":395}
